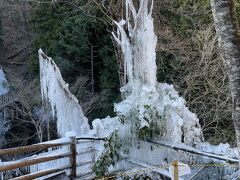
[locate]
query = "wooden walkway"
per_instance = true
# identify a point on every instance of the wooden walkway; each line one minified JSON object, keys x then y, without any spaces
{"x":80,"y":155}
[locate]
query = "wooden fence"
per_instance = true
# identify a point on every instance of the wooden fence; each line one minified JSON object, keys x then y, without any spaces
{"x":71,"y":142}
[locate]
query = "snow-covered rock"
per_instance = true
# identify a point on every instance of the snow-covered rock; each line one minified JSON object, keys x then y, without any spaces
{"x":221,"y":149}
{"x":104,"y":127}
{"x":160,"y":107}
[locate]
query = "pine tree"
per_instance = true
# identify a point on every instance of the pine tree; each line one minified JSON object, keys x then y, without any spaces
{"x":76,"y":36}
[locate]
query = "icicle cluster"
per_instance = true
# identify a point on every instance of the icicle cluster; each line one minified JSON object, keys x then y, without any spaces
{"x":138,"y":43}
{"x":63,"y":103}
{"x":3,"y":83}
{"x":4,"y":123}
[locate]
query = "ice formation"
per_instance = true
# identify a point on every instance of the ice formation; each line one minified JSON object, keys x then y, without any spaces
{"x":3,"y":83}
{"x":63,"y":103}
{"x":161,"y":107}
{"x":154,"y":104}
{"x":4,"y":123}
{"x":138,"y":43}
{"x":104,"y":127}
{"x":221,"y":149}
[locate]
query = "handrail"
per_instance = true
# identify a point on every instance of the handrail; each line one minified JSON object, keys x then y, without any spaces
{"x":35,"y":147}
{"x":72,"y":154}
{"x":194,"y":151}
{"x":10,"y":165}
{"x":27,"y":161}
{"x":42,"y":173}
{"x":91,"y":138}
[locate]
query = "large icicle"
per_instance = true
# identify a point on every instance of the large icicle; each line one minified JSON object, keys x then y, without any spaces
{"x":127,"y":49}
{"x":4,"y":122}
{"x":138,"y":43}
{"x":64,"y":105}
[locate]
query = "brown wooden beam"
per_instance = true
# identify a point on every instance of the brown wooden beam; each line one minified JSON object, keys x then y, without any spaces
{"x":27,"y":162}
{"x":41,"y":173}
{"x":31,"y":148}
{"x":73,"y":157}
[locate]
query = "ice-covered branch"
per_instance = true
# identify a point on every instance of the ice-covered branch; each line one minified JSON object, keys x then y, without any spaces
{"x":64,"y":104}
{"x":126,"y":46}
{"x":130,"y":6}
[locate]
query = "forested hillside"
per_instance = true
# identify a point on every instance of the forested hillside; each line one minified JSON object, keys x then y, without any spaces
{"x":80,"y":42}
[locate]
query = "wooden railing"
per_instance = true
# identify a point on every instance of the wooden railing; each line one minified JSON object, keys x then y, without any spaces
{"x":44,"y":157}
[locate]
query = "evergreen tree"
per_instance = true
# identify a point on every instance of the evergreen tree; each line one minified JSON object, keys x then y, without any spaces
{"x":75,"y":35}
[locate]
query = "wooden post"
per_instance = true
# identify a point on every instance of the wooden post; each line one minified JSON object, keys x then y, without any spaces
{"x":176,"y":174}
{"x":93,"y":152}
{"x":1,"y":173}
{"x":73,"y":157}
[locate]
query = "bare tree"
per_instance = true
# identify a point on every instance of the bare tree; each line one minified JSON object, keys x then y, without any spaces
{"x":225,"y":21}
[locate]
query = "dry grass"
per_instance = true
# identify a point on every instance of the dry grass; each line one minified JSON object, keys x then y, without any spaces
{"x":192,"y":64}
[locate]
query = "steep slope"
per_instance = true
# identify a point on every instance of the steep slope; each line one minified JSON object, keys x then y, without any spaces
{"x":16,"y":35}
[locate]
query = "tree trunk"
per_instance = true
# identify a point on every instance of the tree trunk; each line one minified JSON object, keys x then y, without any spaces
{"x":138,"y":41}
{"x":225,"y":21}
{"x":92,"y":73}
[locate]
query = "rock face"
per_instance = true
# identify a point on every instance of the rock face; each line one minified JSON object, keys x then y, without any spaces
{"x":16,"y":35}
